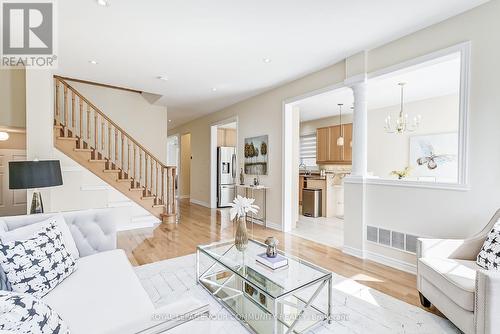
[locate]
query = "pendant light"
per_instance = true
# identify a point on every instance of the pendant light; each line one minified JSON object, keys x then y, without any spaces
{"x":340,"y":140}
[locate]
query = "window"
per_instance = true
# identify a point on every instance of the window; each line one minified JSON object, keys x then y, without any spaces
{"x":417,"y":120}
{"x":308,"y":151}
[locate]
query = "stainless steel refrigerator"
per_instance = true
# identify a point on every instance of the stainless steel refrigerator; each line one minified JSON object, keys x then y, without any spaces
{"x":226,"y":176}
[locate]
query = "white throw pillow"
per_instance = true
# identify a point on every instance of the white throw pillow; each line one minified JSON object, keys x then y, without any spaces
{"x":28,"y":231}
{"x":24,"y":314}
{"x":489,"y":256}
{"x":37,"y":265}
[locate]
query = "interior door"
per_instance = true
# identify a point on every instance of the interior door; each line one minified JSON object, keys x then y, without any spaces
{"x":12,"y":202}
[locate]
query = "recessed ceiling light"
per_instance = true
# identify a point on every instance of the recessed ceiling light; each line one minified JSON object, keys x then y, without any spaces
{"x":169,"y":120}
{"x":93,"y":62}
{"x":162,"y":77}
{"x":214,"y":89}
{"x":103,"y":3}
{"x":266,"y":60}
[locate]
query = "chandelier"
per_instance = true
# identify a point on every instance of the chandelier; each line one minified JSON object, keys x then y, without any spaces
{"x":402,"y":124}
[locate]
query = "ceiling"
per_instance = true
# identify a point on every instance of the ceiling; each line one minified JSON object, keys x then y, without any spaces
{"x":213,"y":53}
{"x":439,"y":77}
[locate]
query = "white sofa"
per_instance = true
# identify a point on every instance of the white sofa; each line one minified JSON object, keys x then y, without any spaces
{"x":104,"y":295}
{"x":449,"y":278}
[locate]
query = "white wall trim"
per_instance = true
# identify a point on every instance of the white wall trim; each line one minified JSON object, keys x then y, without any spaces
{"x":382,"y":259}
{"x":213,"y":156}
{"x":353,"y":252}
{"x":391,"y":262}
{"x":288,"y":205}
{"x":464,"y":49}
{"x":183,"y":196}
{"x":274,"y":226}
{"x":95,"y":187}
{"x":198,"y":202}
{"x":407,"y":184}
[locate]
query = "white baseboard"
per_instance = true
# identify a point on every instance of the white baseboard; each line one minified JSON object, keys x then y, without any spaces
{"x":274,"y":226}
{"x":95,"y":187}
{"x":391,"y":262}
{"x":353,"y":252}
{"x":195,"y":201}
{"x":183,"y":196}
{"x":382,"y":259}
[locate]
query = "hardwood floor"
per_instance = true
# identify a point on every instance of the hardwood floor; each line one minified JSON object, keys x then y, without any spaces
{"x":200,"y":225}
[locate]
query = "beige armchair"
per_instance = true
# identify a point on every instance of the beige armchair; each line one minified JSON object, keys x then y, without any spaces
{"x":449,"y":278}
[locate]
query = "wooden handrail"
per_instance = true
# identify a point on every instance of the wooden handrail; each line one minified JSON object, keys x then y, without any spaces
{"x":97,"y":110}
{"x":114,"y":146}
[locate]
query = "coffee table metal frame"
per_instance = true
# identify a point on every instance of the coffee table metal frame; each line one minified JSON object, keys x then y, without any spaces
{"x":322,"y":282}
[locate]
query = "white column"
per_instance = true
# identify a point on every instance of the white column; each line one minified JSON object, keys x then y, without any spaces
{"x":360,"y":129}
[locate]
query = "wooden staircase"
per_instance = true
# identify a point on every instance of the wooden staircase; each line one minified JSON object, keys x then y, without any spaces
{"x":88,"y":136}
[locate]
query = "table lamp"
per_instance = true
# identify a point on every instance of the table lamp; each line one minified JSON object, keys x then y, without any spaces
{"x":34,"y":175}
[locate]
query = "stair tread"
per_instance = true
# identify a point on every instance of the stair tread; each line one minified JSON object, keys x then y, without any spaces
{"x":98,"y":160}
{"x":67,"y":138}
{"x":111,"y":170}
{"x":83,"y":149}
{"x":124,"y":180}
{"x":136,"y":189}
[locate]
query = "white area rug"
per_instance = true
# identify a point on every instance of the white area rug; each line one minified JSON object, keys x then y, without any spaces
{"x":358,"y":309}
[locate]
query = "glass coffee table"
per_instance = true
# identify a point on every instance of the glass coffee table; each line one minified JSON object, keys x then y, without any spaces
{"x":293,"y":299}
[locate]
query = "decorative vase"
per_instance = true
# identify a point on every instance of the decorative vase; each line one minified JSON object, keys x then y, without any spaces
{"x":241,"y":235}
{"x":242,"y":177}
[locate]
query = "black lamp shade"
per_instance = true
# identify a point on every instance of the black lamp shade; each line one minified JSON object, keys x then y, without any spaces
{"x":34,"y":174}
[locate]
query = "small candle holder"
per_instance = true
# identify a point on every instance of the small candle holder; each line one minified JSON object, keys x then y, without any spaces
{"x":272,"y":247}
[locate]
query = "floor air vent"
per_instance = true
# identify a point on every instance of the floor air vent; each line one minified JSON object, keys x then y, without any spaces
{"x":393,"y":239}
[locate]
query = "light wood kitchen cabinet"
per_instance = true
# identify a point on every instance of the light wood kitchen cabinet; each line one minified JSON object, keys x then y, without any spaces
{"x":322,"y":144}
{"x":327,"y":150}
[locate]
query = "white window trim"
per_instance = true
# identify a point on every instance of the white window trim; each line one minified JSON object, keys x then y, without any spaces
{"x":462,"y":183}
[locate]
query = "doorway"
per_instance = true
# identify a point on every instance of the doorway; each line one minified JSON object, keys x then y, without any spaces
{"x":224,"y":162}
{"x":184,"y":191}
{"x":173,"y":158}
{"x":318,"y":156}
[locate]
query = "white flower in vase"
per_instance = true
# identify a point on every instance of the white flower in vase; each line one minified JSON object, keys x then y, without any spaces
{"x":241,"y":206}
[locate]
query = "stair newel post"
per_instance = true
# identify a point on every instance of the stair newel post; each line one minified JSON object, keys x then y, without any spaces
{"x":174,"y":207}
{"x":73,"y":114}
{"x":128,"y":159}
{"x":110,"y":138}
{"x":123,"y":155}
{"x":96,"y":136}
{"x":140,"y":168}
{"x":156,"y":179}
{"x":151,"y":175}
{"x":116,"y":148}
{"x":88,"y":125}
{"x":81,"y":122}
{"x":146,"y":173}
{"x":135,"y":165}
{"x":66,"y":111}
{"x":163,"y":185}
{"x":56,"y":102}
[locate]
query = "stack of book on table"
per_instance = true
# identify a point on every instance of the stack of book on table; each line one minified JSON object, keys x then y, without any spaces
{"x":272,"y":262}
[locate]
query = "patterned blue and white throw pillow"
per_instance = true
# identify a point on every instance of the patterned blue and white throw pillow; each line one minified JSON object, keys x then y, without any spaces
{"x":489,"y":257}
{"x":37,"y":265}
{"x":25,"y":314}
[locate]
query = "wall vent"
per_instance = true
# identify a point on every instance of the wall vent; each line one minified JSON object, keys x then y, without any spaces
{"x":393,"y":239}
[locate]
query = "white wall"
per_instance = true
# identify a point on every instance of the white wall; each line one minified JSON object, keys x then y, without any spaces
{"x":81,"y":189}
{"x":145,"y":122}
{"x":261,"y":115}
{"x":421,"y":211}
{"x":12,"y":98}
{"x":389,"y":151}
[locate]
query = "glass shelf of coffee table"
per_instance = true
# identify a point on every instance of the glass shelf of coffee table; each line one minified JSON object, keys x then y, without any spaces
{"x":293,"y":299}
